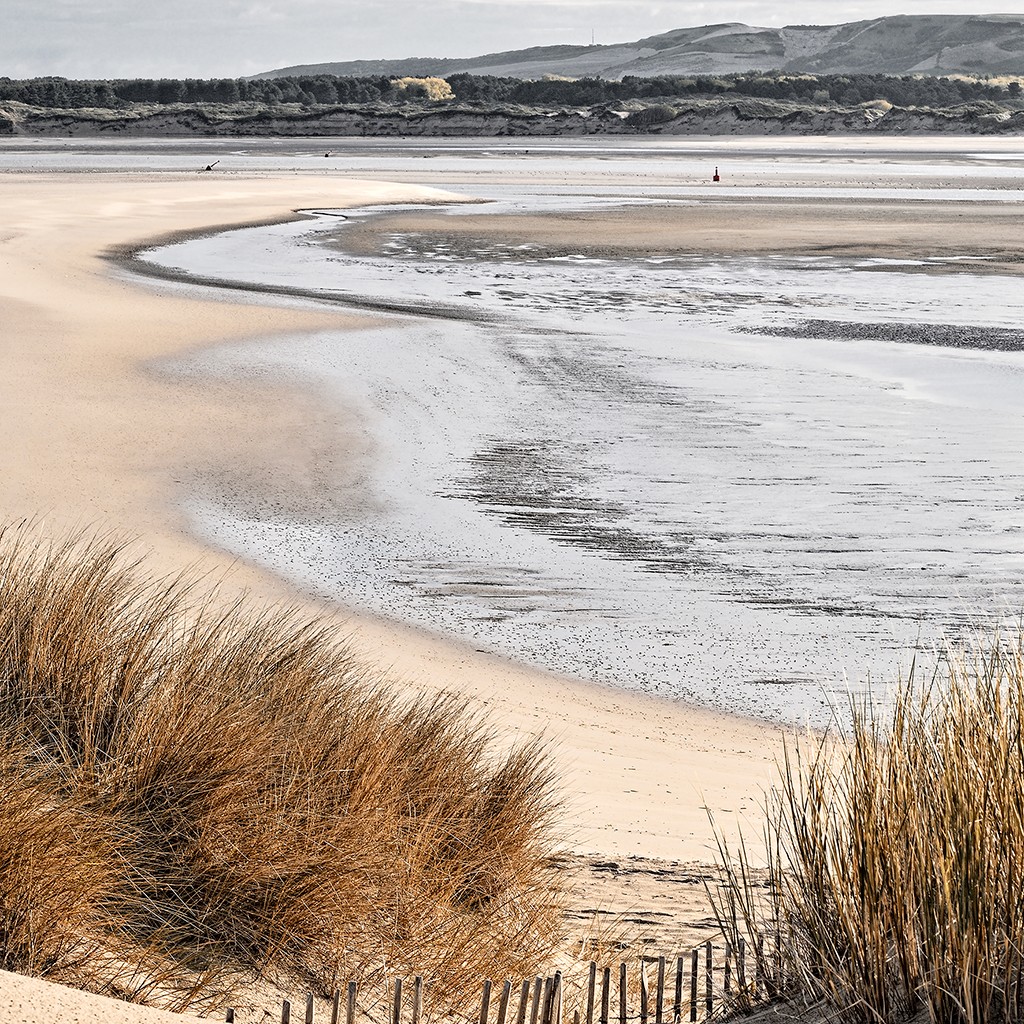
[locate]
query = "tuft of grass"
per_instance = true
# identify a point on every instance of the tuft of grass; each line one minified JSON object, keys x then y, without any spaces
{"x":194,"y":792}
{"x":895,"y":852}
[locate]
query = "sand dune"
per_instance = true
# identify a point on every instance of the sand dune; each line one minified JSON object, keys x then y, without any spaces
{"x":24,"y":1000}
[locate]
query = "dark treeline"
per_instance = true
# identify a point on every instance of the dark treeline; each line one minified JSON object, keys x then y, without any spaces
{"x":66,"y":93}
{"x":847,"y":90}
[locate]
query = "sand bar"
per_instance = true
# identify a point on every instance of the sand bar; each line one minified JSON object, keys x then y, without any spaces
{"x":904,"y":229}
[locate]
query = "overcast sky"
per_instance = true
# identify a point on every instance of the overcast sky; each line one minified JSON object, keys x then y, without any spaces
{"x":232,"y":38}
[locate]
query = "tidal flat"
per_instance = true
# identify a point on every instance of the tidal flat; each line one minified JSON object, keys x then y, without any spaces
{"x":748,"y":446}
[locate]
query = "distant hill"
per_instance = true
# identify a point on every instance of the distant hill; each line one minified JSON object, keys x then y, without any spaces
{"x":989,"y":44}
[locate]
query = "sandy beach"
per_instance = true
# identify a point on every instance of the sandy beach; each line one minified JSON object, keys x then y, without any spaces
{"x":95,"y":439}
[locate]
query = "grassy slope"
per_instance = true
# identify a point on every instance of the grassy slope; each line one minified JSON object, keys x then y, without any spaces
{"x":897,"y":855}
{"x":194,"y":794}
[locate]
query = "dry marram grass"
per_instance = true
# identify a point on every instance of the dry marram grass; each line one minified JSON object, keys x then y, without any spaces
{"x":896,"y":855}
{"x":193,"y":793}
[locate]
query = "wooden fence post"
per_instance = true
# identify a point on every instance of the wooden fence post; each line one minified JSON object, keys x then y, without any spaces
{"x":677,"y":1006}
{"x":606,"y":995}
{"x":728,"y":968}
{"x":659,"y":1001}
{"x":709,"y":980}
{"x":350,"y":1004}
{"x":557,"y":995}
{"x":417,"y":998}
{"x":694,"y":968}
{"x":336,"y":1006}
{"x":538,"y":988}
{"x":545,"y":1013}
{"x":485,"y":1002}
{"x":741,"y":967}
{"x":396,"y":1008}
{"x":506,"y":995}
{"x":229,"y":1017}
{"x":623,"y":1014}
{"x":591,"y":991}
{"x":286,"y":1012}
{"x":524,"y":1002}
{"x":309,"y":1008}
{"x":644,"y":994}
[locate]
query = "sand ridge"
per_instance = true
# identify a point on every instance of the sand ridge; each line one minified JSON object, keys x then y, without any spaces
{"x":26,"y":1000}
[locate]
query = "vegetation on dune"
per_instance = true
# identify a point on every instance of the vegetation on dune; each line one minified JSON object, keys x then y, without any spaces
{"x":896,"y":857}
{"x":658,"y":114}
{"x":423,"y":88}
{"x":550,"y":90}
{"x":461,"y":104}
{"x":194,"y":793}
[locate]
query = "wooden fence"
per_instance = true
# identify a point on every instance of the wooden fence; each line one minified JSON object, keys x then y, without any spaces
{"x":664,"y":990}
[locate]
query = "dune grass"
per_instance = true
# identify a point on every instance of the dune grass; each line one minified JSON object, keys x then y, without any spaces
{"x":194,"y":793}
{"x":896,"y":855}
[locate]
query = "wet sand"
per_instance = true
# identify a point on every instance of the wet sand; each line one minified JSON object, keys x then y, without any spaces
{"x":987,"y":233}
{"x":801,"y":518}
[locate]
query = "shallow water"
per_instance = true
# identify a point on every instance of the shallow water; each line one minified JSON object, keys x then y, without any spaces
{"x":607,"y":466}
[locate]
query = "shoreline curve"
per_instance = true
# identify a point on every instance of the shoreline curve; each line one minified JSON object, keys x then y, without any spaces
{"x":96,"y":438}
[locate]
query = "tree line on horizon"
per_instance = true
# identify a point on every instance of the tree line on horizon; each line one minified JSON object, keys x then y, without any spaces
{"x":321,"y":90}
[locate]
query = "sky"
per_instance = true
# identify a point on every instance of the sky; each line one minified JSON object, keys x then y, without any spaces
{"x":233,"y":38}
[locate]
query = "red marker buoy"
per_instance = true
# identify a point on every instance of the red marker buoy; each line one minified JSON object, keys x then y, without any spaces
{"x":716,"y":177}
